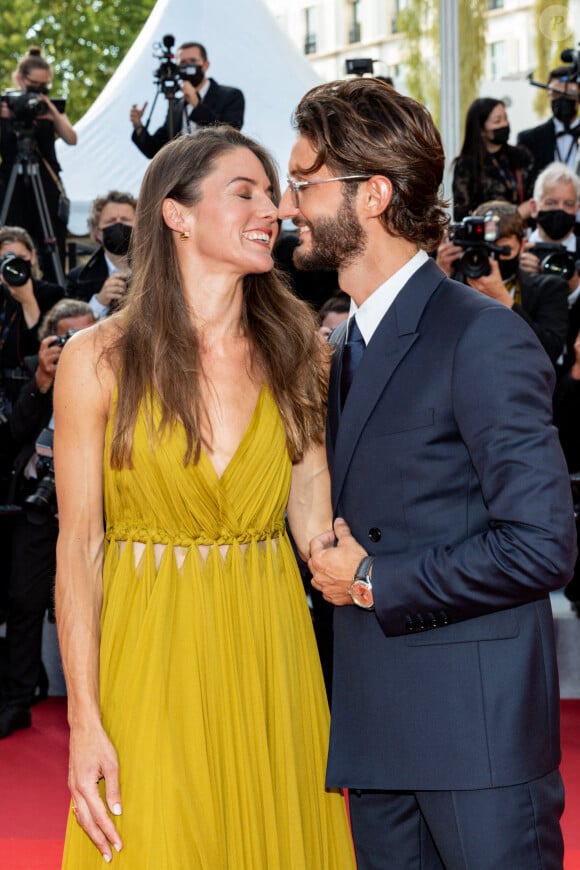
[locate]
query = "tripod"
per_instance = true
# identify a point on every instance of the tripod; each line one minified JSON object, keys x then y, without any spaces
{"x":27,"y":166}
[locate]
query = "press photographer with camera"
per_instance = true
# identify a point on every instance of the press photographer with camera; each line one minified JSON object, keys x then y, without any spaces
{"x":34,"y":534}
{"x":203,"y":102}
{"x":557,"y":138}
{"x":554,"y":246}
{"x":24,"y":298}
{"x":29,"y":125}
{"x":472,"y":255}
{"x":103,"y":280}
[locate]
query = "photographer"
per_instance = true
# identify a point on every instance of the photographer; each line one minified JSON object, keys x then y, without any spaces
{"x":102,"y":280}
{"x":203,"y":103}
{"x":24,"y":298}
{"x":35,"y":531}
{"x":554,"y":206}
{"x":557,"y":138}
{"x":35,"y":133}
{"x":541,"y":300}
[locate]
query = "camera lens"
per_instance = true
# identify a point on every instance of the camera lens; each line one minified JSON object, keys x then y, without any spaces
{"x":14,"y":271}
{"x":559,"y":263}
{"x":474,"y":263}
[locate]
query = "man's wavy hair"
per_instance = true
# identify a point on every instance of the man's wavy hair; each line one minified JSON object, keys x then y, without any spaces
{"x":158,"y":350}
{"x":365,"y":126}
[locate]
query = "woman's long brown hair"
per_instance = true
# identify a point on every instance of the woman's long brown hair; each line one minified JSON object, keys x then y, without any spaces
{"x":157,"y":354}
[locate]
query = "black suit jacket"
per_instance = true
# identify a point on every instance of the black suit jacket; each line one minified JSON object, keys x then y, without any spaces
{"x":447,"y":468}
{"x":84,"y":281}
{"x":541,"y":141}
{"x":221,"y":105}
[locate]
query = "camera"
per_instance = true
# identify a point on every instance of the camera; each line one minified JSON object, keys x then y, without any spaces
{"x":25,"y":106}
{"x":62,"y":339}
{"x":168,"y":76}
{"x":554,"y":260}
{"x":477,"y":235}
{"x":14,"y":271}
{"x":43,"y":499}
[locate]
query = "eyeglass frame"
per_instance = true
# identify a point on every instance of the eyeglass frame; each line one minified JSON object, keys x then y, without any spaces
{"x":296,"y":186}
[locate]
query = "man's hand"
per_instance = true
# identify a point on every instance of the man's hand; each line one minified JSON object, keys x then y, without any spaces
{"x":136,"y":115}
{"x":333,"y":568}
{"x":447,"y":254}
{"x":529,"y":262}
{"x":492,"y":285}
{"x":48,"y":354}
{"x":190,"y":94}
{"x":113,"y":289}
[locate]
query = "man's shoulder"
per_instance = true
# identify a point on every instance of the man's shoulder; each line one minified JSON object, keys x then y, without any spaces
{"x":543,"y":284}
{"x":546,"y":128}
{"x":216,"y":89}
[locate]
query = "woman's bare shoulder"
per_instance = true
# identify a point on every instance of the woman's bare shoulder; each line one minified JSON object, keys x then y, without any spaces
{"x":89,"y":360}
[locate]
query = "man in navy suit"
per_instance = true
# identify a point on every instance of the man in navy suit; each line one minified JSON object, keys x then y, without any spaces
{"x":453,"y":511}
{"x":203,"y":103}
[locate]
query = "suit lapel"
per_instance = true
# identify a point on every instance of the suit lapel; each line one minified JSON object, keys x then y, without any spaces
{"x":392,"y":340}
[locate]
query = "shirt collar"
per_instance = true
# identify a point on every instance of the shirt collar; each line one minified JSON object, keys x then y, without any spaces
{"x":373,"y":309}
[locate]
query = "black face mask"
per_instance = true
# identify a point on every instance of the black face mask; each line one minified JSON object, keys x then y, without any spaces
{"x":564,"y":110}
{"x":191,"y":73}
{"x":501,"y":135}
{"x":557,"y":223}
{"x":509,"y":268}
{"x":116,"y":238}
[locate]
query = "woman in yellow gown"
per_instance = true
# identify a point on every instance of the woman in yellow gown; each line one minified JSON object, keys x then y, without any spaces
{"x":193,"y":421}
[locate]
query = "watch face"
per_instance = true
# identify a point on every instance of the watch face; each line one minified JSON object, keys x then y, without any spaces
{"x":362,"y":593}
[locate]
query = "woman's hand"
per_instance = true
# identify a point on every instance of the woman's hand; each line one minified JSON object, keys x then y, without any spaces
{"x":25,"y":297}
{"x":92,"y":759}
{"x":62,"y":125}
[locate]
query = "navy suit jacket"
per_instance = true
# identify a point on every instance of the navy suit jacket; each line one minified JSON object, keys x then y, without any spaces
{"x":447,"y":467}
{"x":221,"y":105}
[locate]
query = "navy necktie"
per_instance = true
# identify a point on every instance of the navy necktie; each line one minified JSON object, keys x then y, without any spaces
{"x":351,"y":356}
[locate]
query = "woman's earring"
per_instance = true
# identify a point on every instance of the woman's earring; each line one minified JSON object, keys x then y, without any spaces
{"x":184,"y":236}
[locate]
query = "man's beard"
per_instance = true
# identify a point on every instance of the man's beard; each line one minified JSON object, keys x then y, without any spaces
{"x":335,"y":242}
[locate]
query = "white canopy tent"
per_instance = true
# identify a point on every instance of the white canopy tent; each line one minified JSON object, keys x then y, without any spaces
{"x":246,"y":48}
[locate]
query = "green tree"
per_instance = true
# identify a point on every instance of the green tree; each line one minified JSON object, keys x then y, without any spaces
{"x":418,"y":22}
{"x":83,"y":40}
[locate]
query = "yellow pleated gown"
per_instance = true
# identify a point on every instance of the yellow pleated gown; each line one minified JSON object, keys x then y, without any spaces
{"x":211,"y":688}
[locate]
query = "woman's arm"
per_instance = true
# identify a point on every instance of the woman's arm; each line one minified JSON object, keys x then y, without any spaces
{"x":62,"y":125}
{"x":83,"y":388}
{"x":309,"y":507}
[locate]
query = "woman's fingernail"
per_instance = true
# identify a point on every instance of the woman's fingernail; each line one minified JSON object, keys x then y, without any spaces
{"x":117,"y":809}
{"x":107,"y":858}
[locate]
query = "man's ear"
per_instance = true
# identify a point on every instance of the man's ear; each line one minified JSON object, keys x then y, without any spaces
{"x":534,"y":208}
{"x":378,"y":192}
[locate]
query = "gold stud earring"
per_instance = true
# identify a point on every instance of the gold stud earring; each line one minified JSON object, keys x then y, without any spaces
{"x":184,"y":236}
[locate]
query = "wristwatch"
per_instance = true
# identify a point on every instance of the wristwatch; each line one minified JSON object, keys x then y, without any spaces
{"x":361,"y":588}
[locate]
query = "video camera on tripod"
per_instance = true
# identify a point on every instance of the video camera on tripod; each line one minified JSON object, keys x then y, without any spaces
{"x":169,"y":76}
{"x":25,"y":106}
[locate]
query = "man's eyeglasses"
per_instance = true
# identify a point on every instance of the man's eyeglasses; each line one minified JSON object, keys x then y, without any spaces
{"x":297,"y":186}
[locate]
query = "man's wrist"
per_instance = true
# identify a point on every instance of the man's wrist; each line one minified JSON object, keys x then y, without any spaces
{"x":361,"y":588}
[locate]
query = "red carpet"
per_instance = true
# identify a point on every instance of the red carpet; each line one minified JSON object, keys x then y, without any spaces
{"x":34,"y":796}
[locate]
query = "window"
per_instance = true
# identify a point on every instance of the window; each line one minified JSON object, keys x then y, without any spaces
{"x":309,"y":31}
{"x":494,"y":4}
{"x":354,"y":29}
{"x":497,"y":60}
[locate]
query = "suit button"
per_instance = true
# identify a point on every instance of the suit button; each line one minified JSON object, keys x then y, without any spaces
{"x":409,"y":624}
{"x":375,"y":534}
